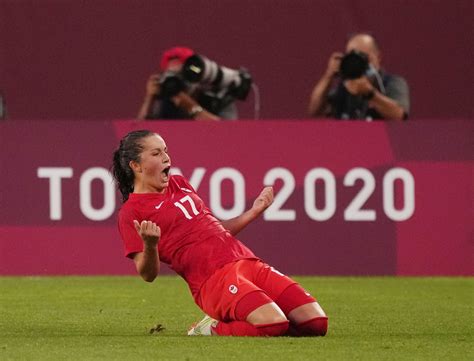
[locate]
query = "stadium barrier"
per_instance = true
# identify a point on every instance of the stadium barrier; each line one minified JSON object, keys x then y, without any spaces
{"x":351,"y":198}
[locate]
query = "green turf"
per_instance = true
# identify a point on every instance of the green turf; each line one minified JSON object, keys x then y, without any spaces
{"x":109,"y":318}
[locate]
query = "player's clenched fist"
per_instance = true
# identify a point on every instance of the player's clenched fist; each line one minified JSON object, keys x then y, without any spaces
{"x":149,"y":232}
{"x":264,"y":200}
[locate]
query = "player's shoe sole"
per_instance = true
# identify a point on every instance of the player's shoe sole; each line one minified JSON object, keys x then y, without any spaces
{"x":203,"y":327}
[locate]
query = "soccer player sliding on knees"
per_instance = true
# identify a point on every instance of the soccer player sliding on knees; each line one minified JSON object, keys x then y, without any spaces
{"x":163,"y":219}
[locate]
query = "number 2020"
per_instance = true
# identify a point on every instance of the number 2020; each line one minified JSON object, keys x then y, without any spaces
{"x":354,"y":211}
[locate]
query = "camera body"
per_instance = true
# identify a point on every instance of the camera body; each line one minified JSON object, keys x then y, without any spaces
{"x":354,"y":64}
{"x":219,"y":85}
{"x":171,"y":83}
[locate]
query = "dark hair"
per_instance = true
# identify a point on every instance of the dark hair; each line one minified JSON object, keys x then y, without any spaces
{"x":129,"y":149}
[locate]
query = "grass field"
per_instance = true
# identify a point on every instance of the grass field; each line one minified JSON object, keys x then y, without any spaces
{"x":109,"y":318}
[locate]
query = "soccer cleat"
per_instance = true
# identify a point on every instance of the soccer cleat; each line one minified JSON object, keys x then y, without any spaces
{"x":203,"y":327}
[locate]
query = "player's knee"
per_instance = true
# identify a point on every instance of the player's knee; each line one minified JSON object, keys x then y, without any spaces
{"x":266,"y":314}
{"x":271,"y":318}
{"x":317,"y":326}
{"x":273,"y":329}
{"x":320,"y":326}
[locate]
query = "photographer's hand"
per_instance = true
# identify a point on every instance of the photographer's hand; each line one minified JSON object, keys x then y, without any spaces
{"x":153,"y":85}
{"x":360,"y":86}
{"x":318,"y":103}
{"x":388,"y":108}
{"x":152,"y":90}
{"x":187,"y":103}
{"x":333,"y":64}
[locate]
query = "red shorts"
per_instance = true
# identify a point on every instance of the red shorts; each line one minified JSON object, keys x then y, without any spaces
{"x":220,"y":294}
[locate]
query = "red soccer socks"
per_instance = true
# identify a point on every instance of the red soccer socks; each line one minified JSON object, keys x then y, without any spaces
{"x":317,"y":326}
{"x":242,"y":328}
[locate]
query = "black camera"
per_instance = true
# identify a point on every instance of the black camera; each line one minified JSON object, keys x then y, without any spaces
{"x":171,"y":83}
{"x":354,"y":65}
{"x":218,"y":85}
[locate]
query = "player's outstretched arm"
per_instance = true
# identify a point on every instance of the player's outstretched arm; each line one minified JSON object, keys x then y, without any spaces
{"x":148,"y":261}
{"x":262,"y":202}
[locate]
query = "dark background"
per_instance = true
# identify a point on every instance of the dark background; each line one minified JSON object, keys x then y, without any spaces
{"x":88,"y":59}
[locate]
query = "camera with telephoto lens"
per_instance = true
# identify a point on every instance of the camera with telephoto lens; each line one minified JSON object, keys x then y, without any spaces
{"x":354,"y":65}
{"x":234,"y":83}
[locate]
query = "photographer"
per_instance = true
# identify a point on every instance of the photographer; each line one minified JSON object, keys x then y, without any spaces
{"x":355,"y":87}
{"x":191,"y":86}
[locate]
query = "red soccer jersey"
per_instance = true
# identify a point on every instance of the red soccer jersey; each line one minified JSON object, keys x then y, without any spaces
{"x":193,"y":242}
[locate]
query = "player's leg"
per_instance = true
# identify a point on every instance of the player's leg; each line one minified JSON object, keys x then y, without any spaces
{"x":304,"y":312}
{"x":241,"y":307}
{"x":256,"y":315}
{"x":306,"y":316}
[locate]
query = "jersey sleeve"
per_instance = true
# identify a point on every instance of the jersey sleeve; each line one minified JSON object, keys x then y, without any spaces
{"x":132,"y":241}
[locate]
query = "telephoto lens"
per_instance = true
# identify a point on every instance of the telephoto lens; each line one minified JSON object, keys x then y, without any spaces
{"x":199,"y":69}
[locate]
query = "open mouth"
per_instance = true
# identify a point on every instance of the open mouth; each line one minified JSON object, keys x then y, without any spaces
{"x":166,"y":171}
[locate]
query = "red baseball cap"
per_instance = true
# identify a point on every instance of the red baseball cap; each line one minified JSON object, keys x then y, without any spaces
{"x":180,"y":53}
